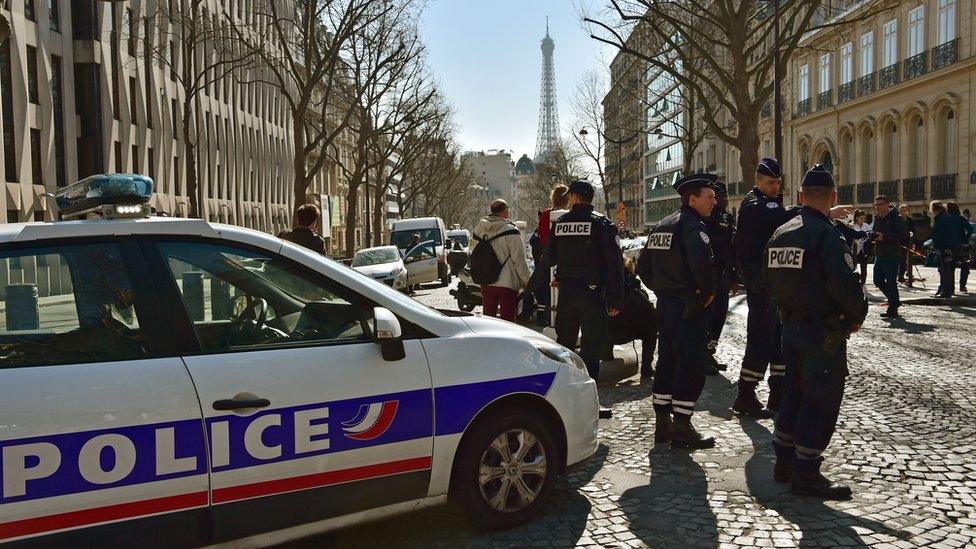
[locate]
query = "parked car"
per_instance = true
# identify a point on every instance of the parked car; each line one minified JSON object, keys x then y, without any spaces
{"x":382,"y":263}
{"x":429,"y":229}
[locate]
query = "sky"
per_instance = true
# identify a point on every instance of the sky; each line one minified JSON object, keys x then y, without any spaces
{"x":486,"y":56}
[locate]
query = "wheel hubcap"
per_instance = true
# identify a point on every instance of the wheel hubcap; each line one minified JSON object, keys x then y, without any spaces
{"x":512,"y":471}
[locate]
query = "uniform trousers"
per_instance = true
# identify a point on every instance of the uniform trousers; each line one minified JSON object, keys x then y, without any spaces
{"x":763,"y":335}
{"x":814,"y":388}
{"x":582,"y":312}
{"x":681,"y":357}
{"x":718,"y":310}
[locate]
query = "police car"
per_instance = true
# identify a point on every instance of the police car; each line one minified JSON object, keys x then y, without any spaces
{"x":174,"y":382}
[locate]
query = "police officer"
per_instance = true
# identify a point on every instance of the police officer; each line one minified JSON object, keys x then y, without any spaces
{"x":812,"y":281}
{"x":760,"y":213}
{"x":676,"y":263}
{"x":585,"y":250}
{"x":721,"y":230}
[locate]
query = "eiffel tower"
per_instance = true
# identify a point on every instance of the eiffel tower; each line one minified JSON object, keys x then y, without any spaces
{"x":547,"y":141}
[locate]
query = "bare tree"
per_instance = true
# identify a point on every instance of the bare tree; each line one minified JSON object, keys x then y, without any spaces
{"x":734,"y":48}
{"x":198,"y":49}
{"x":588,"y":128}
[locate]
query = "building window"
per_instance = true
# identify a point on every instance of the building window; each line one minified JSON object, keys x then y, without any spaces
{"x":57,"y":95}
{"x":119,"y":168}
{"x":54,"y":10}
{"x":867,"y":53}
{"x":804,"y":91}
{"x":32,"y":95}
{"x":150,"y":165}
{"x":890,"y":150}
{"x":13,"y":216}
{"x":846,"y":63}
{"x":824,"y":83}
{"x":130,"y":26}
{"x":868,"y":156}
{"x":37,"y":175}
{"x":6,"y":82}
{"x":177,"y":186}
{"x":916,"y":145}
{"x":916,"y":31}
{"x":29,"y":11}
{"x":173,"y":60}
{"x":133,"y":105}
{"x":847,"y":159}
{"x":890,"y":43}
{"x":174,"y":112}
{"x":948,"y":142}
{"x":135,"y":159}
{"x":947,"y":21}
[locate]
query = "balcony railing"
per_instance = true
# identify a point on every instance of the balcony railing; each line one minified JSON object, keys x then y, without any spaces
{"x":943,"y":186}
{"x":825,"y":100}
{"x":865,"y":193}
{"x":888,"y":76}
{"x":889,"y":189}
{"x":845,"y":92}
{"x":913,"y":189}
{"x":767,"y":110}
{"x":803,"y":107}
{"x":845,"y":194}
{"x":865,"y":84}
{"x":915,"y":65}
{"x":945,"y":54}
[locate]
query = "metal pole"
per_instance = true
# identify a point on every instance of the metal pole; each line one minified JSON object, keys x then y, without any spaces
{"x":777,"y":89}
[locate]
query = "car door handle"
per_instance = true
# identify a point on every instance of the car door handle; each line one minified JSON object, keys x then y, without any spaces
{"x":239,"y":403}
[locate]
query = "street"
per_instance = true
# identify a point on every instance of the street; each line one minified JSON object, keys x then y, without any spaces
{"x":906,"y":441}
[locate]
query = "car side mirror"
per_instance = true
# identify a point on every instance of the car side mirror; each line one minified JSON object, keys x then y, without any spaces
{"x":389,"y":334}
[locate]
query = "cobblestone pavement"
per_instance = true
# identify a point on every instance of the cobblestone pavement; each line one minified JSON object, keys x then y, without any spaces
{"x":906,"y":441}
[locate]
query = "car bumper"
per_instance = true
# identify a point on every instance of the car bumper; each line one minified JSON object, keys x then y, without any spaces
{"x":575,"y":399}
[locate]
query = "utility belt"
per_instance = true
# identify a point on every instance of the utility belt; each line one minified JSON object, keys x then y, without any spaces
{"x":837,"y":329}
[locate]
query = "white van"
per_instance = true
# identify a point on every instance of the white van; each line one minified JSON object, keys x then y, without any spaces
{"x":432,"y":231}
{"x":461,"y":236}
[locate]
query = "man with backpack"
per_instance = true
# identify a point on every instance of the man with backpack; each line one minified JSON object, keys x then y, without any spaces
{"x":498,"y":262}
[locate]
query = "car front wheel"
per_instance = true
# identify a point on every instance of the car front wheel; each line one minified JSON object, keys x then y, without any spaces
{"x":506,"y":470}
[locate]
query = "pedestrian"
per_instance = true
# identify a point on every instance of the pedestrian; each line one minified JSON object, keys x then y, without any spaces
{"x":457,"y":259}
{"x":585,"y":250}
{"x":812,"y":280}
{"x":905,"y":273}
{"x":760,"y":213}
{"x":860,"y":245}
{"x":499,"y":297}
{"x":965,"y":246}
{"x":636,"y":320}
{"x":890,"y":235}
{"x":303,"y":230}
{"x":721,"y":232}
{"x":678,"y":265}
{"x":559,"y":202}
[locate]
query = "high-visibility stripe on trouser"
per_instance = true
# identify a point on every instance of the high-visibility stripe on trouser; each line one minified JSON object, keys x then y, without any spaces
{"x":781,"y":438}
{"x":685,"y":407}
{"x":750,"y":375}
{"x":803,"y":452}
{"x":777,"y":370}
{"x":663,"y":400}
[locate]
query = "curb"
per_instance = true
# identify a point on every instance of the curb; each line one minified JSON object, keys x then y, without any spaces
{"x":623,"y":366}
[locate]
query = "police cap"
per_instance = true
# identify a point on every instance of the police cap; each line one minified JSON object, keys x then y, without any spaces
{"x":769,"y":167}
{"x":720,"y":188}
{"x":581,"y":188}
{"x":818,"y":176}
{"x":694,"y":181}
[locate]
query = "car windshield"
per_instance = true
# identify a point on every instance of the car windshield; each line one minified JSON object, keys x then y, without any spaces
{"x":460,"y":239}
{"x":402,"y":239}
{"x":375,"y":257}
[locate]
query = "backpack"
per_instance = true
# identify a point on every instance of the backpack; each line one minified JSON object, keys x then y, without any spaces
{"x":485,"y":267}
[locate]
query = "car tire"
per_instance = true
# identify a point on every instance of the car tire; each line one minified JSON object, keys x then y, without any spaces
{"x":483,"y":501}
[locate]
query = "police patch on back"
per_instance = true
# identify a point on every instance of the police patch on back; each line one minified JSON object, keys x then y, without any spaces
{"x":574,"y":228}
{"x":785,"y":258}
{"x":659,"y":241}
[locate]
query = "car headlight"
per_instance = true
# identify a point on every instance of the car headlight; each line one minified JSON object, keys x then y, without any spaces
{"x":560,"y":354}
{"x":396,"y":271}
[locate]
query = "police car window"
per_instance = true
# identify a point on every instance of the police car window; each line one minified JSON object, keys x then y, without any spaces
{"x":70,"y":304}
{"x":239,"y":299}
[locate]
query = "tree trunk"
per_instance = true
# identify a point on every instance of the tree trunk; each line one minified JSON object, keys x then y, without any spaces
{"x":301,"y":179}
{"x":190,"y":160}
{"x":352,"y":208}
{"x":748,"y":145}
{"x":379,"y":234}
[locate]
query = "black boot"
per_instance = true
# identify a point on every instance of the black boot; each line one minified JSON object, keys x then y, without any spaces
{"x":746,"y":402}
{"x":714,"y":361}
{"x":808,"y":481}
{"x":685,"y":435}
{"x":775,"y":394}
{"x":663,"y":427}
{"x":785,"y":458}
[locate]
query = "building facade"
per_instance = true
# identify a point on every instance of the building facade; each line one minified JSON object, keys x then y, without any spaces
{"x":624,"y":144}
{"x":665,"y":154}
{"x":495,"y":170}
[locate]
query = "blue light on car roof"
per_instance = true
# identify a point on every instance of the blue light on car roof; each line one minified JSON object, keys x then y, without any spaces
{"x":96,"y":191}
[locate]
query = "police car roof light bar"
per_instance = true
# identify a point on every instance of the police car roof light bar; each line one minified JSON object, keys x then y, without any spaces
{"x":112,"y":196}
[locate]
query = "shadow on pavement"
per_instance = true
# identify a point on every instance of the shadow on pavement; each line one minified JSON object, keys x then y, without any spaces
{"x":818,"y":523}
{"x":901,"y":323}
{"x":673,"y":509}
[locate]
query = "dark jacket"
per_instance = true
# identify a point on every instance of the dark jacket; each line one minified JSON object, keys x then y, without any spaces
{"x":965,"y":228}
{"x":677,"y":258}
{"x":895,"y":232}
{"x":811,"y":273}
{"x":946,"y":233}
{"x":636,"y":319}
{"x":721,"y":231}
{"x":584,"y":247}
{"x":304,"y":237}
{"x":759,"y":217}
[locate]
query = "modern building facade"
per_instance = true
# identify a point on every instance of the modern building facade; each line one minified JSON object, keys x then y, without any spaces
{"x":624,"y":144}
{"x":83,"y":92}
{"x":665,"y":153}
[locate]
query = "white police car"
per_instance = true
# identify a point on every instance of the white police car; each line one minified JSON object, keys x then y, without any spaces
{"x":173,"y":382}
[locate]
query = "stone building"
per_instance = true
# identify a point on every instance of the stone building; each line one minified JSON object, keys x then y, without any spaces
{"x":623,"y":123}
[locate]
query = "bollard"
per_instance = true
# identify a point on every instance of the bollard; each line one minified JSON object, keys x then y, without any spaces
{"x":193,"y":294}
{"x":221,"y":303}
{"x":22,"y":312}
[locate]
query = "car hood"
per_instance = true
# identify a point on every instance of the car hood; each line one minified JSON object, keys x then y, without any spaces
{"x":489,"y":326}
{"x":376,"y":270}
